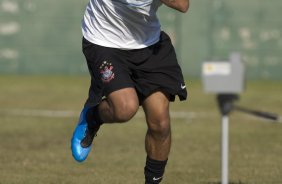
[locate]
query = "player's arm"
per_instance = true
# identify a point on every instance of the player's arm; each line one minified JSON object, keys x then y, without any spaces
{"x":180,"y":5}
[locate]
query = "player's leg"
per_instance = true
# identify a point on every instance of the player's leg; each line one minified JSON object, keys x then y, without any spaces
{"x":158,"y":137}
{"x":119,"y":106}
{"x":110,"y":78}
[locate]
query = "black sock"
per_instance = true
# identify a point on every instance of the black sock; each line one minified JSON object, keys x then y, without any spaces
{"x":93,"y":115}
{"x":154,"y":171}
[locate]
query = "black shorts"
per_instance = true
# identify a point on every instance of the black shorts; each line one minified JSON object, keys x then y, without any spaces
{"x":148,"y":70}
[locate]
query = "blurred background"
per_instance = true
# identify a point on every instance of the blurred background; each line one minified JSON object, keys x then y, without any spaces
{"x":39,"y":37}
{"x":44,"y":82}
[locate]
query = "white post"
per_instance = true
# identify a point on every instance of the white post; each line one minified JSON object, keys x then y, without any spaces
{"x":224,"y":149}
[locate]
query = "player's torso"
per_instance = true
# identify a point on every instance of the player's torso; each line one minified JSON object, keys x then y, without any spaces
{"x":140,"y":6}
{"x":125,"y":23}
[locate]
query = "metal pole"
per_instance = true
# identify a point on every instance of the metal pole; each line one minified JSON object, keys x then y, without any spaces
{"x":224,"y":149}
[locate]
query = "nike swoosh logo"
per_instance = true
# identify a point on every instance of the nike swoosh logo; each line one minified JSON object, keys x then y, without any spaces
{"x":156,"y":179}
{"x":183,"y":86}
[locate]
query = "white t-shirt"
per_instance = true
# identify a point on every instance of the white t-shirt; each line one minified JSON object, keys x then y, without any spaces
{"x":123,"y":24}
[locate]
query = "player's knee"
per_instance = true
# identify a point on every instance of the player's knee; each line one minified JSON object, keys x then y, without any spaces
{"x":126,"y":111}
{"x":160,"y":128}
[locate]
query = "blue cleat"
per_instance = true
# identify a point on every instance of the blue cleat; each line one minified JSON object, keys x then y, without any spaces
{"x":82,"y":138}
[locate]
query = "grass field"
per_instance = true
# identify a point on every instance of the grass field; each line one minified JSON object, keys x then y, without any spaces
{"x":38,"y":115}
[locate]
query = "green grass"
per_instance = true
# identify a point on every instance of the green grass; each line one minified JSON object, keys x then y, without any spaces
{"x":36,"y":149}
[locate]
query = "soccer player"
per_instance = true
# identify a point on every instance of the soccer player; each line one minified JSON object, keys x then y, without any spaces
{"x":132,"y":63}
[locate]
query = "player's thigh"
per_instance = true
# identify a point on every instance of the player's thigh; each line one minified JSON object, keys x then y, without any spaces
{"x":124,"y":102}
{"x":156,"y":108}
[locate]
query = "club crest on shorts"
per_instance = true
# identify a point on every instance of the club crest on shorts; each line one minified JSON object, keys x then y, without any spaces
{"x":106,"y":70}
